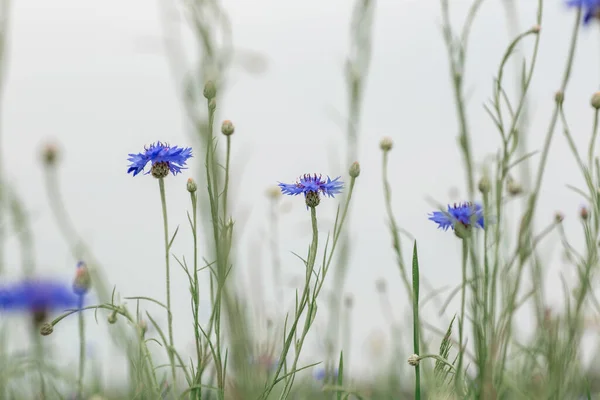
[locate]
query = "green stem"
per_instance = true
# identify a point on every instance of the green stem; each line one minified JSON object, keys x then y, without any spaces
{"x":196,"y":393}
{"x":226,"y":187}
{"x":163,"y":201}
{"x":416,"y":323}
{"x":81,"y":355}
{"x":458,"y":376}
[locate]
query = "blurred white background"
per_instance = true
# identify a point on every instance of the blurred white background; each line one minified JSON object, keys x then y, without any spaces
{"x":94,"y":77}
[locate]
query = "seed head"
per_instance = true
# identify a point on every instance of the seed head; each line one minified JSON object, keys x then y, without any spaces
{"x":227,"y":128}
{"x":312,"y":199}
{"x":386,"y":143}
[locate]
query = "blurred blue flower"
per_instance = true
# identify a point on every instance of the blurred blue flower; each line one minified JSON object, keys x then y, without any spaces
{"x":464,"y":213}
{"x":320,"y":374}
{"x":38,"y":296}
{"x":591,"y":8}
{"x":313,"y":183}
{"x":162,"y":157}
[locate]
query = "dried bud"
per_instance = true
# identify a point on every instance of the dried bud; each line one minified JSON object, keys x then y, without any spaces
{"x":413,"y":360}
{"x":227,"y":128}
{"x":595,"y":101}
{"x":210,"y":90}
{"x":46,"y":329}
{"x":386,"y":144}
{"x":584,"y":213}
{"x":83,"y":280}
{"x":484,"y":185}
{"x":559,"y":97}
{"x":191,"y":185}
{"x":354,"y":169}
{"x":559,"y":217}
{"x":49,"y":154}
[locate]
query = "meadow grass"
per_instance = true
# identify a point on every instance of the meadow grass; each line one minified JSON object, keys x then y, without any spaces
{"x":479,"y":355}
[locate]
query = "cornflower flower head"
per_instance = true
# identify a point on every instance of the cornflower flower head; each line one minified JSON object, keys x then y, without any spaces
{"x":163,"y":159}
{"x":312,"y":186}
{"x":38,"y":297}
{"x":591,"y":8}
{"x":466,"y":214}
{"x":321,"y":374}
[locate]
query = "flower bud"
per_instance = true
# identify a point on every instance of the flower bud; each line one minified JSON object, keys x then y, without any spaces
{"x":386,"y":144}
{"x":212,"y":105}
{"x":143,"y":325}
{"x":354,"y":169}
{"x":559,"y":97}
{"x":227,"y":128}
{"x":191,"y":185}
{"x":559,"y":217}
{"x":595,"y":101}
{"x":46,"y":329}
{"x":484,"y":185}
{"x":210,"y":90}
{"x":49,"y":154}
{"x":112,"y":318}
{"x":536,"y":29}
{"x":514,"y":189}
{"x":584,"y":213}
{"x":83,"y":280}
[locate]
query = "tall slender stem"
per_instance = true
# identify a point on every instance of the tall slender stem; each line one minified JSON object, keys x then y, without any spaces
{"x":163,"y":200}
{"x":458,"y":376}
{"x":226,"y":186}
{"x":81,"y":353}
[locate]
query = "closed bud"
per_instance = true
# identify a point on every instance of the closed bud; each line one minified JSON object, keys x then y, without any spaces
{"x":354,"y":169}
{"x":46,"y":329}
{"x":49,"y":154}
{"x":112,"y":318}
{"x":143,"y":325}
{"x":514,"y":189}
{"x":536,"y":29}
{"x":584,"y":213}
{"x":559,"y":217}
{"x":559,"y":97}
{"x":595,"y":101}
{"x":191,"y":185}
{"x":212,"y":105}
{"x":210,"y":90}
{"x":386,"y":144}
{"x":83,"y":280}
{"x":484,"y":185}
{"x":227,"y":128}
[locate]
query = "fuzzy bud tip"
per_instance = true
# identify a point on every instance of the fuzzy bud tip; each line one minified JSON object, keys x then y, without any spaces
{"x":386,"y":144}
{"x":413,"y":360}
{"x":227,"y":128}
{"x":191,"y":185}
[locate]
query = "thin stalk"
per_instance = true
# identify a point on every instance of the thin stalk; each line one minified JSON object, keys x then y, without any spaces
{"x":163,"y":201}
{"x":81,"y":354}
{"x":196,"y":393}
{"x":416,"y":323}
{"x":458,"y":377}
{"x":226,"y":187}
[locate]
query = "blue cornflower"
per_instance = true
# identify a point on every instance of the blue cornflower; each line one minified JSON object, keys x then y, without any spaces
{"x":320,"y":374}
{"x":38,"y":296}
{"x":464,"y":213}
{"x":311,"y":186}
{"x":591,"y":8}
{"x":163,"y":158}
